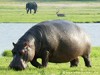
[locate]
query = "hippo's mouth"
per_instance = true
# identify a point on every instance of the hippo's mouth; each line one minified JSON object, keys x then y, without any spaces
{"x":18,"y":64}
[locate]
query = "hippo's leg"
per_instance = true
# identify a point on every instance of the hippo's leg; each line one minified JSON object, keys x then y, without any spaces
{"x":36,"y":64}
{"x":86,"y":60}
{"x":45,"y":58}
{"x":74,"y":62}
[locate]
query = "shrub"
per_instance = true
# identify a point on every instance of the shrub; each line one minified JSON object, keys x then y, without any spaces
{"x":7,"y":53}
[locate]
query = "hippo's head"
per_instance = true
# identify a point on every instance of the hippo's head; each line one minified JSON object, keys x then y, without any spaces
{"x":22,"y":54}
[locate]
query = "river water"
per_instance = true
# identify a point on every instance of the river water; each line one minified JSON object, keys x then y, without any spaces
{"x":11,"y":32}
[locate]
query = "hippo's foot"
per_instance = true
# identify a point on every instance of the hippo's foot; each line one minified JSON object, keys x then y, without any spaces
{"x":36,"y":64}
{"x":74,"y":63}
{"x":86,"y":60}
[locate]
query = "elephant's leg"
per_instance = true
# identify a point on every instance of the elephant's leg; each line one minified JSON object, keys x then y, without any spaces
{"x":74,"y":62}
{"x":30,"y":11}
{"x":27,"y":11}
{"x":35,"y":9}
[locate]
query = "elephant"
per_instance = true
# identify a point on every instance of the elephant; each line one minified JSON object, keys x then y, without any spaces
{"x":30,"y":6}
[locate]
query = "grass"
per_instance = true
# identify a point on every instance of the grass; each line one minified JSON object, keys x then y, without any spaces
{"x":55,"y":69}
{"x":87,"y":11}
{"x":7,"y":53}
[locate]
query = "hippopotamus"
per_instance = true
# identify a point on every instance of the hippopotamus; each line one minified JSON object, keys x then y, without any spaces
{"x":30,"y":6}
{"x":56,"y":41}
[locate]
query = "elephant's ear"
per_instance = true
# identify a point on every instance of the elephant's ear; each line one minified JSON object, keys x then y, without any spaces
{"x":14,"y":44}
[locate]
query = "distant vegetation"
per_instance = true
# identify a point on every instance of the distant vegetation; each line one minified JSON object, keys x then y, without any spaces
{"x":76,"y":11}
{"x":7,"y":53}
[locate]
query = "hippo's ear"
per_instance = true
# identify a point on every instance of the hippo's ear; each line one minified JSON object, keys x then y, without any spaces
{"x":13,"y":44}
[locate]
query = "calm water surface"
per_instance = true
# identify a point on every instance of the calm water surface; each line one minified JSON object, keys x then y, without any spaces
{"x":11,"y":32}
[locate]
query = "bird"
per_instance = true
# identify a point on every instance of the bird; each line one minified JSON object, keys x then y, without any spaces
{"x":60,"y":14}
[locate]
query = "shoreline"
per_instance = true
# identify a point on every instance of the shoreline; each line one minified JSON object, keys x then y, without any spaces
{"x":45,"y":20}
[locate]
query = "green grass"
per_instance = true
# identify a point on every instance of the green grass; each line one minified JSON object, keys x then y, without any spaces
{"x":7,"y":53}
{"x":56,"y":69}
{"x":12,"y":11}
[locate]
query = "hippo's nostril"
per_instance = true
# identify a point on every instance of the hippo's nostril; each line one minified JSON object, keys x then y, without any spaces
{"x":18,"y":63}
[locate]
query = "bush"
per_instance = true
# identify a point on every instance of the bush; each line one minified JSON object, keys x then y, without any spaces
{"x":7,"y":53}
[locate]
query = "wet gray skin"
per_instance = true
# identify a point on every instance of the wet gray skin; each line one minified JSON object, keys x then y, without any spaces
{"x":21,"y":56}
{"x":56,"y":41}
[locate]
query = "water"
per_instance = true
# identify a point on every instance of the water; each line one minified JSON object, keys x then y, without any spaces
{"x":11,"y":32}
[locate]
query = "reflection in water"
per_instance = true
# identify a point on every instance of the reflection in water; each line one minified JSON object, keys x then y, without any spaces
{"x":11,"y":32}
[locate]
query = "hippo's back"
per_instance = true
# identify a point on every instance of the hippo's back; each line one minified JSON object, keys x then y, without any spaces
{"x":63,"y":30}
{"x":63,"y":39}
